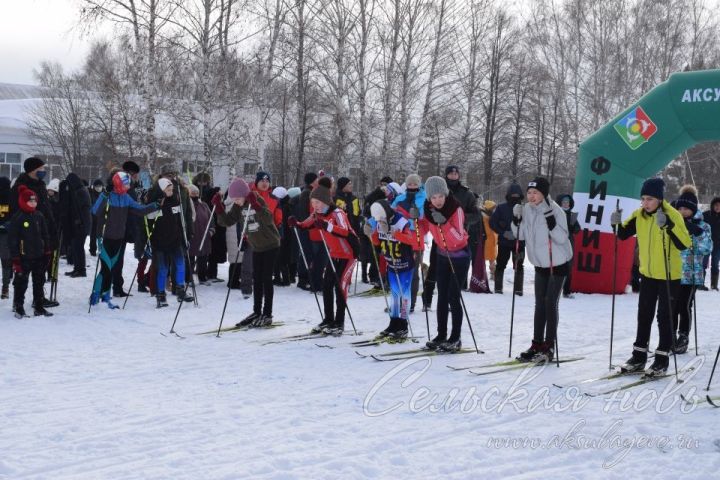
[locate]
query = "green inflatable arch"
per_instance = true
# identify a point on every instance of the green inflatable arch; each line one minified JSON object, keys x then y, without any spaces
{"x":614,"y":161}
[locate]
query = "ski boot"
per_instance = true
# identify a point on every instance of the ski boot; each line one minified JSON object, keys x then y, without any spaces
{"x":320,"y":327}
{"x":49,"y":303}
{"x":182,"y":294}
{"x":120,"y":293}
{"x":659,"y":366}
{"x":681,"y":345}
{"x":263,"y":321}
{"x":400,"y":331}
{"x":435,"y":343}
{"x":161,"y":300}
{"x":142,"y":286}
{"x":545,"y":354}
{"x":20,"y":311}
{"x":529,"y":354}
{"x":94,"y":298}
{"x":5,"y":292}
{"x":248,"y":321}
{"x":41,"y":312}
{"x":452,"y":345}
{"x":106,"y":299}
{"x":637,"y":362}
{"x":334,"y":329}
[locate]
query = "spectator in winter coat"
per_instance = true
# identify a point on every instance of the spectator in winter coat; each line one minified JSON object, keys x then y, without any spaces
{"x":80,"y":222}
{"x":337,"y":237}
{"x":111,"y":210}
{"x":258,"y":224}
{"x":284,"y":271}
{"x":203,"y":222}
{"x":661,"y":236}
{"x":29,"y":246}
{"x":542,"y":225}
{"x":98,"y":187}
{"x":567,"y":203}
{"x":32,"y":178}
{"x":712,"y":218}
{"x":491,"y":238}
{"x":501,"y":223}
{"x":4,"y":249}
{"x":445,"y":219}
{"x":135,"y":232}
{"x":692,"y":261}
{"x":301,"y":211}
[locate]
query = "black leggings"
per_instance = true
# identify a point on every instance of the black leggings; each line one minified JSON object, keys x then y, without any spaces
{"x":34,"y":268}
{"x":683,"y":308}
{"x":449,"y":293}
{"x":335,"y":292}
{"x":654,"y":292}
{"x":263,"y":264}
{"x":547,"y":296}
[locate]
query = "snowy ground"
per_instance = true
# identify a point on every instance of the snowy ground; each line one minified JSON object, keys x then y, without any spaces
{"x":105,"y":396}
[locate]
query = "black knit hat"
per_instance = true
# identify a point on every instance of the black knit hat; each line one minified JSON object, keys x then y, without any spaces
{"x":310,"y":177}
{"x":386,"y":180}
{"x":131,"y":167}
{"x":540,"y":184}
{"x":342,"y":183}
{"x":688,"y":199}
{"x":260,"y":176}
{"x":31,"y":164}
{"x":654,"y":187}
{"x":451,"y":169}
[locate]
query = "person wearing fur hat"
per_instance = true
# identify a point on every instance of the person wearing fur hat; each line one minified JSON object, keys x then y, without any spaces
{"x":445,"y":219}
{"x":567,"y":203}
{"x":410,"y":205}
{"x":338,"y":238}
{"x":661,"y":236}
{"x":249,"y":208}
{"x":542,"y":225}
{"x":29,"y":245}
{"x":111,"y":210}
{"x":508,"y":247}
{"x":692,"y":264}
{"x":391,"y":231}
{"x":712,"y":218}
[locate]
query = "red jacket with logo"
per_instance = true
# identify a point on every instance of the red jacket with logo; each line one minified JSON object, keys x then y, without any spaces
{"x":336,"y":233}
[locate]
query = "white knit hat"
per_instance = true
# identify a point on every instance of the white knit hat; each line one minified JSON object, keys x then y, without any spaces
{"x":54,"y":185}
{"x":163,"y":183}
{"x":279,"y":193}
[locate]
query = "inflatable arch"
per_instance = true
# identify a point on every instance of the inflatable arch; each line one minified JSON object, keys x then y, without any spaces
{"x":614,"y":161}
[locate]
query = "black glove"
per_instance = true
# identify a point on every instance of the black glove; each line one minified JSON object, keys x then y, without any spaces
{"x":550,"y":219}
{"x":694,"y":229}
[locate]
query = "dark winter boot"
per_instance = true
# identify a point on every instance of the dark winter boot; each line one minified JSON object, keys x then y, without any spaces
{"x":20,"y":311}
{"x":263,"y":321}
{"x":41,"y":312}
{"x":334,"y":329}
{"x":182,"y":295}
{"x":546,"y":353}
{"x":388,"y":330}
{"x":161,"y":300}
{"x":435,"y":343}
{"x":519,"y":279}
{"x":400,"y":332}
{"x":142,"y":286}
{"x":681,"y":345}
{"x":5,"y":292}
{"x":714,"y":281}
{"x":120,"y":293}
{"x":529,"y":354}
{"x":451,"y":345}
{"x":637,"y":362}
{"x":320,"y":327}
{"x":659,"y":365}
{"x":248,"y":321}
{"x":499,"y":274}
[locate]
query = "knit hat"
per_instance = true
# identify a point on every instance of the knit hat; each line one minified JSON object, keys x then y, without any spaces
{"x":24,"y":196}
{"x":436,"y":186}
{"x":32,"y":164}
{"x":393,"y":190}
{"x":310,"y":177}
{"x":653,"y":187}
{"x":688,"y":199}
{"x":193,"y":190}
{"x":451,"y":169}
{"x":98,"y":183}
{"x":540,"y":184}
{"x":413,"y":178}
{"x":121,"y":182}
{"x":238,"y":189}
{"x":294,"y":192}
{"x":386,"y":180}
{"x":131,"y":167}
{"x":279,"y":193}
{"x":322,"y":193}
{"x":260,"y":176}
{"x":54,"y":185}
{"x":325,"y":182}
{"x":164,"y":183}
{"x":342,"y":183}
{"x":168,"y":168}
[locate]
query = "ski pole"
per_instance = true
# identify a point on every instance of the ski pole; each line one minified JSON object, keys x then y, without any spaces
{"x":307,"y":268}
{"x":337,"y":280}
{"x":459,"y":287}
{"x":713,"y":370}
{"x":382,"y":282}
{"x":202,"y":243}
{"x":147,"y":242}
{"x":422,"y":277}
{"x":692,"y":304}
{"x":614,"y":281}
{"x":666,"y":254}
{"x":237,"y":257}
{"x":516,"y":260}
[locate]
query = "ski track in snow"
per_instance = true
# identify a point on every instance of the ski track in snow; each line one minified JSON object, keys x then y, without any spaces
{"x":105,"y":396}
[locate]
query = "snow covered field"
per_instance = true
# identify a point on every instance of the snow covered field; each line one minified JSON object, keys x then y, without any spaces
{"x":105,"y":396}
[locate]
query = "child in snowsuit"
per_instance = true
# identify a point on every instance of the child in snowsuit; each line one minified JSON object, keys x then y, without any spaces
{"x":29,"y":245}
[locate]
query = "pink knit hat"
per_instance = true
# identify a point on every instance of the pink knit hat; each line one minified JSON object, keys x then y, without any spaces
{"x":238,"y":188}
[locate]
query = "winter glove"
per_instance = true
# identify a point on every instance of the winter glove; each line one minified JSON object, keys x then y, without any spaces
{"x":321,"y":224}
{"x":694,"y":229}
{"x":438,"y":217}
{"x":217,"y":202}
{"x":509,"y":235}
{"x":414,"y":213}
{"x":616,"y":217}
{"x":662,"y":220}
{"x":368,"y":230}
{"x":292,"y":222}
{"x":253,"y":201}
{"x":17,"y":265}
{"x":550,"y":219}
{"x":517,"y":211}
{"x":382,"y":227}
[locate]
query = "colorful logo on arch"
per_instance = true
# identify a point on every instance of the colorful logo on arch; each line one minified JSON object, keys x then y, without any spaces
{"x":636,"y":128}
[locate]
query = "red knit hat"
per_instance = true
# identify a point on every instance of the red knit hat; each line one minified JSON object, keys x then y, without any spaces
{"x":24,"y":196}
